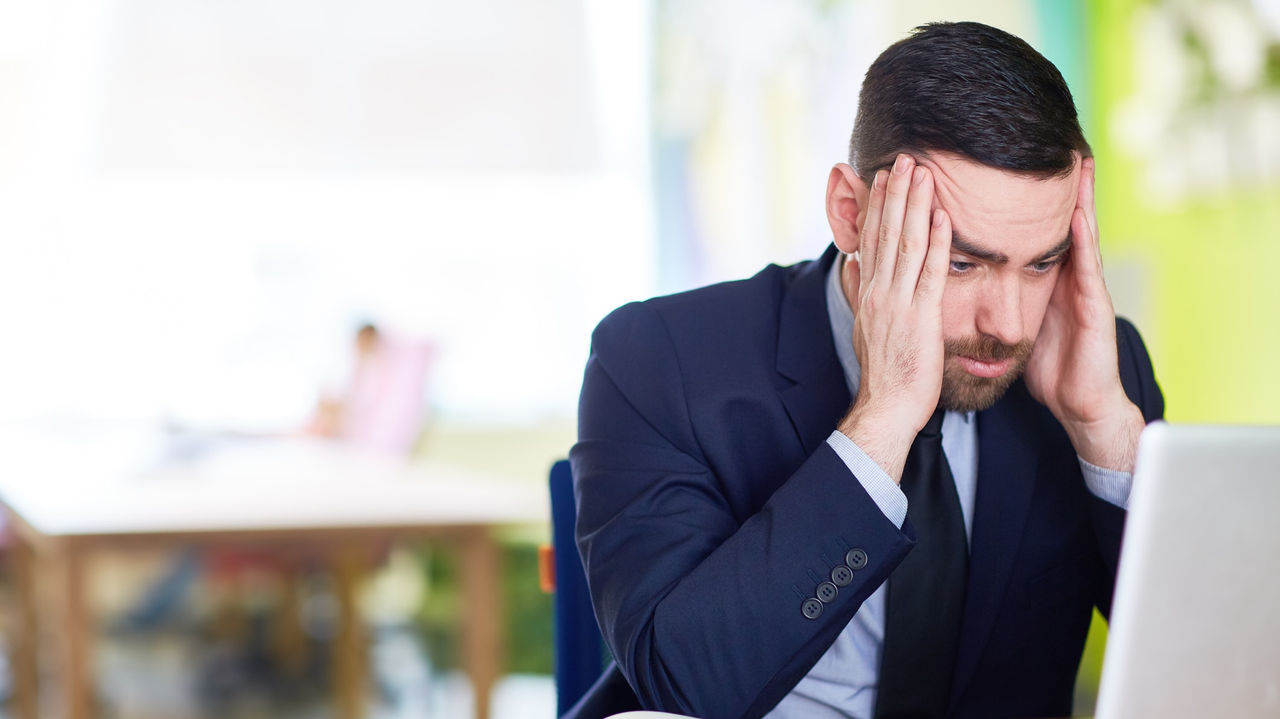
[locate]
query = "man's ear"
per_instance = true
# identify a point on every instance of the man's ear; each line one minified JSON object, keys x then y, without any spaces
{"x":847,"y":198}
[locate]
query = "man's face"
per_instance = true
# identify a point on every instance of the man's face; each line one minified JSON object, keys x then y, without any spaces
{"x":1010,"y":234}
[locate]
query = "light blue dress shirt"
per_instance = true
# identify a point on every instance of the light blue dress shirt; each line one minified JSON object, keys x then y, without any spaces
{"x":844,"y":681}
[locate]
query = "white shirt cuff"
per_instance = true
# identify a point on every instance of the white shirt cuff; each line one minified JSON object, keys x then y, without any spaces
{"x":883,"y":490}
{"x":1109,"y":485}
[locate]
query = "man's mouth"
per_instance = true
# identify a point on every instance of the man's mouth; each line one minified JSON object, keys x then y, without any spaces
{"x":985,"y":368}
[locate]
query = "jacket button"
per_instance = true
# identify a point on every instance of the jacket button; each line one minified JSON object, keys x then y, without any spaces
{"x":811,"y":609}
{"x":855,"y":558}
{"x":842,"y":576}
{"x":827,"y":592}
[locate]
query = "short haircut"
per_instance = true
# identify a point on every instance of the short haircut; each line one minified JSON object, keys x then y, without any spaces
{"x":969,"y":89}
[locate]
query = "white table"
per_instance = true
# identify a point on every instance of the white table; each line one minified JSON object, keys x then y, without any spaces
{"x":70,"y":492}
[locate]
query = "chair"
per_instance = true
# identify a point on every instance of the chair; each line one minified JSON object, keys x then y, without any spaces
{"x":579,"y":657}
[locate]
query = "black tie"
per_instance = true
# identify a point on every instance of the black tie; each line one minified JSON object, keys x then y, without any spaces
{"x":926,"y":591}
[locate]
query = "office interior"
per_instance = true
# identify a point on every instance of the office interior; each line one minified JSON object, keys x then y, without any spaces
{"x":388,"y":228}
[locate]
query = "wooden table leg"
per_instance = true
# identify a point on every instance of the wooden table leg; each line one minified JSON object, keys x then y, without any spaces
{"x":74,"y":633}
{"x":481,"y":614}
{"x":26,"y":689}
{"x":351,"y":651}
{"x":288,"y":640}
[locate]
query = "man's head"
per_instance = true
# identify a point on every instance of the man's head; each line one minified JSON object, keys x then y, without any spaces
{"x":995,"y":124}
{"x":970,"y":90}
{"x":366,"y":339}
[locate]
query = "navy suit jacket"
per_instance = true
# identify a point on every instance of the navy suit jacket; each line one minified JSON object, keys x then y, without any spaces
{"x":710,"y":506}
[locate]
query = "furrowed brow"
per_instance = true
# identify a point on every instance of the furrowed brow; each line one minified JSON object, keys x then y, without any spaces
{"x":960,"y":243}
{"x":1058,"y":249}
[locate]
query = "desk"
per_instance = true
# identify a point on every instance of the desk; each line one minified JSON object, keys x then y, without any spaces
{"x":68,"y":495}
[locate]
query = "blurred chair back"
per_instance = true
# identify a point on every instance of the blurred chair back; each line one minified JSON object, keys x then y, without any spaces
{"x":578,"y":646}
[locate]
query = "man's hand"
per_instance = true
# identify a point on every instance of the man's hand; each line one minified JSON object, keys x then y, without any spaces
{"x":897,"y":334}
{"x":1073,"y":369}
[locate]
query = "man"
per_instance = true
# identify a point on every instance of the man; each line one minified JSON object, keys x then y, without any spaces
{"x":768,"y":523}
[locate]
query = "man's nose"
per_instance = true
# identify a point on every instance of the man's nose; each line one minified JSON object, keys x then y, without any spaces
{"x":1000,"y":311}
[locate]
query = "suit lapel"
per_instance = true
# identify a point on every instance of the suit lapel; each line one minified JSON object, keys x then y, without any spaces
{"x":1008,"y":454}
{"x":807,"y":357}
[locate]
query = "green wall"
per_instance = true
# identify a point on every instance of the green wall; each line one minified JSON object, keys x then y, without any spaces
{"x":1209,"y":264}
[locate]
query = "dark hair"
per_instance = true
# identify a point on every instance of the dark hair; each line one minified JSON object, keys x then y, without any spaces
{"x":969,"y":89}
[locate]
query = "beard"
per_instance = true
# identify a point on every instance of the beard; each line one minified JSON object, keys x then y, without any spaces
{"x":963,"y":392}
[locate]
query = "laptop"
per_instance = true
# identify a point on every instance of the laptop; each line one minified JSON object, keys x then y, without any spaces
{"x":1195,"y":626}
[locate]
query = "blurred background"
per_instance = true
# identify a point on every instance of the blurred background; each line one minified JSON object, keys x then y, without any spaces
{"x":202,"y":202}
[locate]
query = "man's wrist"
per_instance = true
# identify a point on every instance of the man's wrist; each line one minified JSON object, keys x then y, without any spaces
{"x":878,"y":485}
{"x":880,"y":436}
{"x":1110,"y":442}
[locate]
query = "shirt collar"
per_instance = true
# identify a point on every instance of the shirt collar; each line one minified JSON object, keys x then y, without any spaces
{"x":841,"y":316}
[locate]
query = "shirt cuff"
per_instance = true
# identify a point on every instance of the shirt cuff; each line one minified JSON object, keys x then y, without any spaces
{"x":1109,"y":485}
{"x":883,"y":490}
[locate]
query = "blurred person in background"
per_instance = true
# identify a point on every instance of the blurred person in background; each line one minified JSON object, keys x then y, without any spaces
{"x":336,"y":406}
{"x":380,"y":404}
{"x":891,"y":481}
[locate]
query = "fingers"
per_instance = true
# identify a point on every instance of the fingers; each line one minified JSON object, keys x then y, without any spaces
{"x":891,"y":217}
{"x":868,"y":239}
{"x":1085,"y":203}
{"x":933,"y":276}
{"x":1084,"y":249}
{"x":1084,"y":198}
{"x":914,"y":240}
{"x":895,"y":237}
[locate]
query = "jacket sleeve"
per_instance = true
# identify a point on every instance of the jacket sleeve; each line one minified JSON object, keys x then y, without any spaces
{"x":1138,"y":378}
{"x":702,"y":609}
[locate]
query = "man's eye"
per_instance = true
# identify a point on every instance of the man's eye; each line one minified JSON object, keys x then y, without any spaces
{"x":960,"y":267}
{"x":1045,"y":265}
